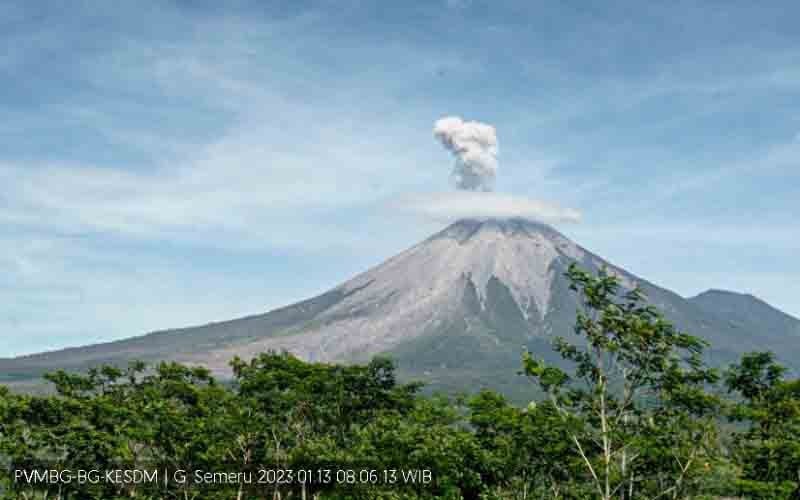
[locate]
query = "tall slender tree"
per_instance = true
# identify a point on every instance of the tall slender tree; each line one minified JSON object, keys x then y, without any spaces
{"x":640,"y":417}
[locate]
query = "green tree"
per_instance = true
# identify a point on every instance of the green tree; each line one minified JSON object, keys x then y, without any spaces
{"x":528,"y":451}
{"x":428,"y":437}
{"x":636,"y":405}
{"x":16,"y":442}
{"x":310,"y":413}
{"x":768,"y":449}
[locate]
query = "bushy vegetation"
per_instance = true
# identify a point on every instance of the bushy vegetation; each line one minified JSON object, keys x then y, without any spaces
{"x":636,"y":416}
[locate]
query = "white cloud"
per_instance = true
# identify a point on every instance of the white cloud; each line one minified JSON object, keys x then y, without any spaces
{"x":449,"y":206}
{"x":257,"y":185}
{"x":474,"y":144}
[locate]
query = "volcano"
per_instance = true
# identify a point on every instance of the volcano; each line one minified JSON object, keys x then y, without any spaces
{"x":455,"y":311}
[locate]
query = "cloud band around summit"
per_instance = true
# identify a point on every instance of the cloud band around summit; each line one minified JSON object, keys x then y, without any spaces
{"x":450,"y":206}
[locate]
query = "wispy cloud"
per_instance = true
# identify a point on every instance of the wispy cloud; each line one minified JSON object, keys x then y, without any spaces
{"x":450,"y":206}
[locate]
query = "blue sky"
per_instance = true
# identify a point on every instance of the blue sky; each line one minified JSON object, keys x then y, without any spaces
{"x":173,"y":163}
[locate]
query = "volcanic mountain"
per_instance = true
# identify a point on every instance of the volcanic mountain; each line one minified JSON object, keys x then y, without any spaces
{"x":455,"y":310}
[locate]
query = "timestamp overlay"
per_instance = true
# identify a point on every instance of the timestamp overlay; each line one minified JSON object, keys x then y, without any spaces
{"x":320,"y":476}
{"x":250,"y":477}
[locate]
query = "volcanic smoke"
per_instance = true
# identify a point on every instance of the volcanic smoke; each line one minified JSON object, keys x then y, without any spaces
{"x":474,"y":145}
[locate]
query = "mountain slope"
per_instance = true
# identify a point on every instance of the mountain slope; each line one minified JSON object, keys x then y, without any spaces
{"x":753,"y":316}
{"x":455,"y":310}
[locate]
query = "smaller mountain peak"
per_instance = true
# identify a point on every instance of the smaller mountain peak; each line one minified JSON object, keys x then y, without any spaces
{"x":733,"y":302}
{"x":744,"y":307}
{"x":718,"y":292}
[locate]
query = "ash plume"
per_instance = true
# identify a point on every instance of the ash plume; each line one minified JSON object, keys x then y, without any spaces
{"x":474,"y":145}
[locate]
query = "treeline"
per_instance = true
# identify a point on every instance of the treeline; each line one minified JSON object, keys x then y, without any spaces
{"x":636,"y":416}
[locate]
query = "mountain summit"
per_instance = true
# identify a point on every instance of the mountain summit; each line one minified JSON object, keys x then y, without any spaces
{"x":444,"y":283}
{"x":456,"y":310}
